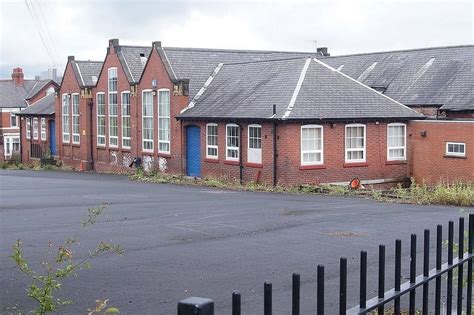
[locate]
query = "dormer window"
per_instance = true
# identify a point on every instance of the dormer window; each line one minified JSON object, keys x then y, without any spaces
{"x":94,"y":79}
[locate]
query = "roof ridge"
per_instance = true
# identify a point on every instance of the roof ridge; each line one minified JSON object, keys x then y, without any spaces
{"x":267,"y":60}
{"x":133,"y":46}
{"x":90,"y":61}
{"x":239,"y":50}
{"x":402,"y":50}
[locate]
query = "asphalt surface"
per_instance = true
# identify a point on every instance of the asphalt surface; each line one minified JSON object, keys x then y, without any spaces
{"x":183,"y":241}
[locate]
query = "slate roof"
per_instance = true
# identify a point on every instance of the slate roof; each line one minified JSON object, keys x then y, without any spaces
{"x":44,"y":106}
{"x":301,"y":89}
{"x":131,"y":59}
{"x":14,"y":96}
{"x":196,"y":64}
{"x":442,"y":76}
{"x":85,"y":71}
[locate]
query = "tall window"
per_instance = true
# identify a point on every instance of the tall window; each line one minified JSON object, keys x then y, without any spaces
{"x":147,"y":120}
{"x":312,"y":145}
{"x":396,"y":142}
{"x":254,"y":153}
{"x":113,"y":108}
{"x":211,"y":141}
{"x":35,"y":128}
{"x":28,"y":128}
{"x":76,"y":137}
{"x":164,"y":121}
{"x":13,"y":120}
{"x":355,"y":143}
{"x":66,"y":126}
{"x":43,"y":128}
{"x":126,"y":133}
{"x":100,"y":119}
{"x":233,"y":142}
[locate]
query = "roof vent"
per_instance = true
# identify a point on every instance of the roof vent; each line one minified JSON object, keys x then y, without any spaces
{"x":323,"y":51}
{"x":94,"y":79}
{"x":143,"y":59}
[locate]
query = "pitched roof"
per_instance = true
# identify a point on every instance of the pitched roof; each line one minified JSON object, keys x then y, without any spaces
{"x":12,"y":95}
{"x":196,"y":64}
{"x":301,"y":88}
{"x":131,"y":59}
{"x":442,"y":76}
{"x":86,"y":72}
{"x":44,"y":106}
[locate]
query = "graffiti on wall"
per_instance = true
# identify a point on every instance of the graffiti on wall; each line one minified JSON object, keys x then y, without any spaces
{"x":147,"y":163}
{"x":162,"y":164}
{"x":127,"y":159}
{"x":113,"y":157}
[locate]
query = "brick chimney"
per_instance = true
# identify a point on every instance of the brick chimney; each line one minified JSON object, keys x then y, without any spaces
{"x":17,"y":76}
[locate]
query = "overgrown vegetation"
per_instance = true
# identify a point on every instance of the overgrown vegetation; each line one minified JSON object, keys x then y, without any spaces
{"x":61,"y":263}
{"x":458,"y":194}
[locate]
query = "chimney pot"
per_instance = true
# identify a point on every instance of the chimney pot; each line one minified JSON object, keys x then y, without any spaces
{"x":156,"y":44}
{"x":113,"y":42}
{"x":70,"y":58}
{"x":323,"y":51}
{"x":17,"y":76}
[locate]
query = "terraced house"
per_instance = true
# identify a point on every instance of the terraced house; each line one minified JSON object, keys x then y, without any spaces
{"x":267,"y":116}
{"x":17,"y":94}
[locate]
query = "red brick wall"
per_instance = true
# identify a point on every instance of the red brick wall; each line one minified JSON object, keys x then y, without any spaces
{"x":289,"y":171}
{"x":429,"y":160}
{"x":26,"y":143}
{"x":70,"y":154}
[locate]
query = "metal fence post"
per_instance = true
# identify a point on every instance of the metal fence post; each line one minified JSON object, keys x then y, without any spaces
{"x":196,"y":306}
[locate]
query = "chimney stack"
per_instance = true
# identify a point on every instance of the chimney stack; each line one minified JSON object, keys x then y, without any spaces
{"x":323,"y":51}
{"x":17,"y":76}
{"x":156,"y":44}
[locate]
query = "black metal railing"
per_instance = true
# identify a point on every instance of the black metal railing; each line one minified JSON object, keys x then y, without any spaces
{"x":392,"y":297}
{"x":36,"y":151}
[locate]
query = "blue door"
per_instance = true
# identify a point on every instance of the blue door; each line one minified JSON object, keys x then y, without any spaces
{"x":193,"y":151}
{"x":52,"y":137}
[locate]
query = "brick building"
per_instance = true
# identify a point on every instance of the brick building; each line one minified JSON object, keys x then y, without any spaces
{"x":15,"y":95}
{"x":144,"y":102}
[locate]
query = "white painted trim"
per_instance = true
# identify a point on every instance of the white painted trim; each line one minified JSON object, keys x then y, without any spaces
{"x":364,"y":148}
{"x":362,"y":84}
{"x":312,"y":151}
{"x":216,"y":157}
{"x":227,"y":146}
{"x":297,"y":89}
{"x":203,"y":88}
{"x":11,"y":109}
{"x":455,"y":153}
{"x":396,"y":148}
{"x":80,"y":74}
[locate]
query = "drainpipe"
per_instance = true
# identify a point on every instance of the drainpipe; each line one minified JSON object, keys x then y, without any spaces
{"x":241,"y":168}
{"x":91,"y":138}
{"x":21,"y":145}
{"x":275,"y":180}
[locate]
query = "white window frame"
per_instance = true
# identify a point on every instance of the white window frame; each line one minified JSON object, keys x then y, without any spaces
{"x":101,"y":138}
{"x":254,"y":155}
{"x":76,"y":136}
{"x":43,"y":129}
{"x":125,"y":116}
{"x":161,"y":118}
{"x":28,"y":128}
{"x":113,"y":140}
{"x":211,"y":146}
{"x":65,"y":115}
{"x":321,"y":151}
{"x":13,"y":118}
{"x":404,"y":147}
{"x":463,"y":144}
{"x":364,"y":149}
{"x":9,"y":142}
{"x":152,"y":123}
{"x":35,"y":128}
{"x":227,"y":147}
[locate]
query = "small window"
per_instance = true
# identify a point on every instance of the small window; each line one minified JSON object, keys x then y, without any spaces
{"x":312,"y":145}
{"x":43,"y":129}
{"x":355,"y":143}
{"x":233,"y":142}
{"x":254,"y":153}
{"x":455,"y":149}
{"x":13,"y":120}
{"x":396,"y":142}
{"x":35,"y":128}
{"x":211,"y":141}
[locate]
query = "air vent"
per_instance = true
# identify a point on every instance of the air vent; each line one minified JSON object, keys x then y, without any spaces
{"x":143,"y":59}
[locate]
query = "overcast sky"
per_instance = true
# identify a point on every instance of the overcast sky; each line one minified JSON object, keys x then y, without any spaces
{"x":82,"y":27}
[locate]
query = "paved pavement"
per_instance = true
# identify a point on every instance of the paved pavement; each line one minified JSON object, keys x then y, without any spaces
{"x":183,"y":241}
